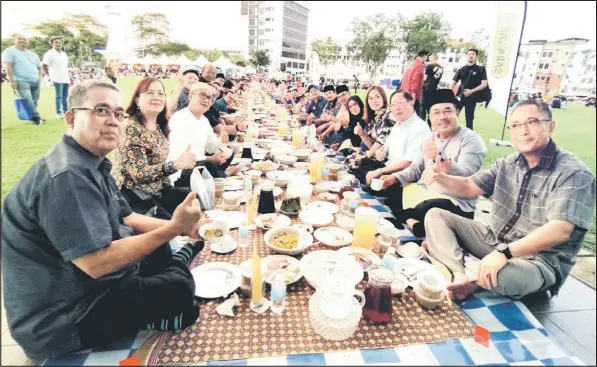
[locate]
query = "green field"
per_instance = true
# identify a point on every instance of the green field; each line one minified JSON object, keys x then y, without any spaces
{"x":24,"y":143}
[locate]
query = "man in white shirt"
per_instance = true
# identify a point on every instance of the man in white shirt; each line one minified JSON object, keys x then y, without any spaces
{"x":189,"y":128}
{"x":55,"y":64}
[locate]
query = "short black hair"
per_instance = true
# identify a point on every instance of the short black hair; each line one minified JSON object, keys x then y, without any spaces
{"x":407,"y":95}
{"x":54,"y":38}
{"x":472,"y":49}
{"x":228,"y":84}
{"x":422,"y":53}
{"x":220,"y":75}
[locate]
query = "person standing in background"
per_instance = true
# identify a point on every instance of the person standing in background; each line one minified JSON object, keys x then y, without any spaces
{"x":23,"y":69}
{"x":473,"y":79}
{"x":111,"y":71}
{"x":433,"y":74}
{"x":55,"y":65}
{"x":412,"y":80}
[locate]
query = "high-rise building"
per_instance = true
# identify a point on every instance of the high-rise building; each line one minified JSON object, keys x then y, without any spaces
{"x":280,"y":28}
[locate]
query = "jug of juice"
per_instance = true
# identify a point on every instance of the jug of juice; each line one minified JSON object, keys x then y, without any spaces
{"x":365,"y":227}
{"x":378,"y":296}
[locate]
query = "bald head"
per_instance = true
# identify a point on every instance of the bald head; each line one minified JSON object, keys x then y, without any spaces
{"x":208,"y":72}
{"x":201,"y":97}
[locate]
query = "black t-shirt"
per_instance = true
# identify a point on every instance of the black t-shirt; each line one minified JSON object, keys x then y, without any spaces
{"x":470,"y":76}
{"x":434,"y":74}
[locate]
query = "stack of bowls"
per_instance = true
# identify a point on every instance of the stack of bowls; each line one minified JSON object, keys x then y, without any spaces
{"x":429,"y":290}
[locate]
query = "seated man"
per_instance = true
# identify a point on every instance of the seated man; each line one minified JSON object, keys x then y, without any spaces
{"x":315,"y":107}
{"x":543,"y":204}
{"x":331,"y":109}
{"x":190,"y":129}
{"x":337,"y":131}
{"x":222,"y":103}
{"x":464,"y":151}
{"x":179,"y":98}
{"x":225,"y":127}
{"x":396,"y":150}
{"x":79,"y":268}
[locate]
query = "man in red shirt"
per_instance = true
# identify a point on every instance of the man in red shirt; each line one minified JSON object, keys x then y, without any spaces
{"x":412,"y":80}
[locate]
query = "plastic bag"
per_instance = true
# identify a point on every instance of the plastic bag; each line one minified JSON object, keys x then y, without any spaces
{"x":202,"y":183}
{"x":22,"y":106}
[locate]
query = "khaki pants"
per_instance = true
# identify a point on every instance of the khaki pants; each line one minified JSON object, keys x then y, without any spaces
{"x":449,"y":235}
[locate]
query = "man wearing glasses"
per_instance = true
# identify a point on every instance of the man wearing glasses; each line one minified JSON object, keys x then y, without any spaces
{"x":189,"y":127}
{"x":79,"y":267}
{"x":462,"y":150}
{"x":543,"y":204}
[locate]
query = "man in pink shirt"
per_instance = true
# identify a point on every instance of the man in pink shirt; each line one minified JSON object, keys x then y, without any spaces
{"x":412,"y":80}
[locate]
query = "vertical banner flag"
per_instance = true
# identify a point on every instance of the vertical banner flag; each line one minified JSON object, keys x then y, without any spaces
{"x":507,"y":28}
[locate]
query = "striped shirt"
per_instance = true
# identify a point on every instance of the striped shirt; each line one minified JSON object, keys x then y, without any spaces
{"x":560,"y":187}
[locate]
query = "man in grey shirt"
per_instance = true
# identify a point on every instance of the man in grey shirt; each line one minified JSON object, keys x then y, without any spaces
{"x":79,"y":267}
{"x":463,"y":152}
{"x":543,"y":203}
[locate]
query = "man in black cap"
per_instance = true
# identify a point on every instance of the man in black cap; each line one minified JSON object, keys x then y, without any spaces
{"x":456,"y":148}
{"x":473,"y":80}
{"x":412,"y":80}
{"x":315,"y":108}
{"x":179,"y":98}
{"x":338,"y":125}
{"x":331,"y":109}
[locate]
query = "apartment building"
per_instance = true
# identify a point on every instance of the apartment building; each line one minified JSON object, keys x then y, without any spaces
{"x":280,"y":28}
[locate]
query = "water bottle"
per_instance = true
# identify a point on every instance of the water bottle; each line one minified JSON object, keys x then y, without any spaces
{"x":278,"y":294}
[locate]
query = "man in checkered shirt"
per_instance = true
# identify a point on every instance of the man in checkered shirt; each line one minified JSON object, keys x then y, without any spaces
{"x":543,"y":204}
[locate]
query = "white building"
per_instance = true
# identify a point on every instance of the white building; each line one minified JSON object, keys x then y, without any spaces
{"x":280,"y":28}
{"x":580,"y":77}
{"x":526,"y":65}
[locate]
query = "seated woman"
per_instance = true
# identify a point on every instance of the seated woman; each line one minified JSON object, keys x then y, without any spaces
{"x":378,"y":128}
{"x":140,"y":167}
{"x":404,"y":143}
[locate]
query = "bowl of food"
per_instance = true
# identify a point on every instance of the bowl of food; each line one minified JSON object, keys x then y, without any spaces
{"x":316,"y":218}
{"x":214,"y":232}
{"x":287,"y":159}
{"x":301,"y":154}
{"x":265,"y":166}
{"x":280,"y":178}
{"x":288,"y":240}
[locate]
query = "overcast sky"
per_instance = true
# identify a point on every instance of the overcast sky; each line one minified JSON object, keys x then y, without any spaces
{"x":211,"y":24}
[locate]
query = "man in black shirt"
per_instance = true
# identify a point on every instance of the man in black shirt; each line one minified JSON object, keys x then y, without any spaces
{"x":433,"y":74}
{"x":473,"y":79}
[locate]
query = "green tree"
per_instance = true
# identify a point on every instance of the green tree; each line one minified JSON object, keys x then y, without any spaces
{"x":481,"y":56}
{"x":326,"y":48}
{"x":212,"y":55}
{"x":480,"y":40}
{"x":427,"y":31}
{"x":374,"y":37}
{"x":260,"y":59}
{"x":168,"y":48}
{"x":151,"y":28}
{"x":7,"y":42}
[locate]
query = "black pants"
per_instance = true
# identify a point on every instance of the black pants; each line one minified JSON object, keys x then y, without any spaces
{"x":423,"y":111}
{"x":166,"y":204}
{"x":216,"y":171}
{"x":394,"y":202}
{"x":417,"y":107}
{"x":163,"y":288}
{"x":469,"y":110}
{"x":367,"y":165}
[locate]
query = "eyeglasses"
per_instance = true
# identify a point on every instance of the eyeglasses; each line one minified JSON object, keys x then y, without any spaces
{"x":104,"y":112}
{"x":202,"y":95}
{"x":153,"y":94}
{"x":447,"y":111}
{"x":530,"y":123}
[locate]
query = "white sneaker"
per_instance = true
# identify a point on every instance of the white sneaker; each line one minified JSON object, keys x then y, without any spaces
{"x":60,"y":116}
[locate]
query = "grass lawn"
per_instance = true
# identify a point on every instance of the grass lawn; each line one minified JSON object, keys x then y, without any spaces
{"x":24,"y":143}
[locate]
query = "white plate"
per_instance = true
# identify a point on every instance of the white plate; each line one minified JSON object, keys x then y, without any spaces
{"x":410,"y":268}
{"x":294,"y":263}
{"x":333,"y":236}
{"x":355,"y":251}
{"x":305,"y":240}
{"x":234,"y":185}
{"x":233,"y":218}
{"x":297,"y":171}
{"x":323,"y":206}
{"x":302,"y":165}
{"x":216,"y":279}
{"x":226,"y":246}
{"x":383,"y":223}
{"x":278,"y":191}
{"x":400,"y":251}
{"x":278,"y":204}
{"x":316,"y":218}
{"x":280,"y":221}
{"x":318,"y":265}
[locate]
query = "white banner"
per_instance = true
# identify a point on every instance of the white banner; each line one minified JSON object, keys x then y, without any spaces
{"x":503,"y":51}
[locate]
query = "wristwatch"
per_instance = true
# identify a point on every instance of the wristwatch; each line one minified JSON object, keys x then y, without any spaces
{"x":504,"y":249}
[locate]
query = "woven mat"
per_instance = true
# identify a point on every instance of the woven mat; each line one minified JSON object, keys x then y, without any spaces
{"x":252,"y":335}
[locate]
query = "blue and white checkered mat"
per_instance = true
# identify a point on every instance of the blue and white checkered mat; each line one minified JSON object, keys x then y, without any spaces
{"x":516,"y":339}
